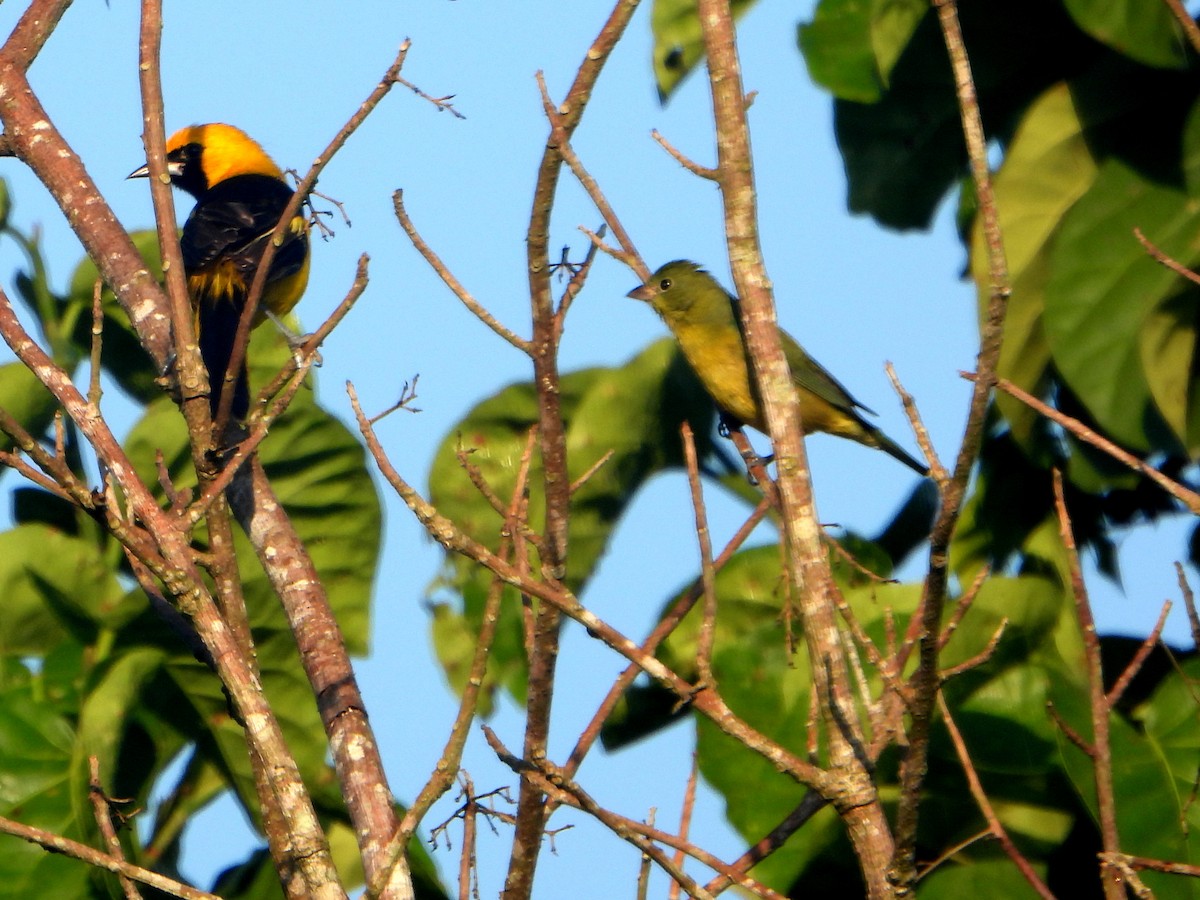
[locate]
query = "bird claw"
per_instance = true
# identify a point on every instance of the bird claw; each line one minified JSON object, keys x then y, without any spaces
{"x":296,"y":342}
{"x":754,"y":461}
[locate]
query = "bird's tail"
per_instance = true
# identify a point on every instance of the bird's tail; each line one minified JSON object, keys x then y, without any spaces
{"x":890,"y":447}
{"x":218,"y":323}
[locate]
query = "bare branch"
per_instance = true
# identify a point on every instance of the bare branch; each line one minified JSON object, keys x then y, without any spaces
{"x":1184,"y":495}
{"x":936,"y":470}
{"x":1113,"y":697}
{"x":453,"y":283}
{"x":103,"y":815}
{"x":1102,"y":757}
{"x":926,"y":624}
{"x":58,"y":844}
{"x":985,"y":805}
{"x":694,"y":167}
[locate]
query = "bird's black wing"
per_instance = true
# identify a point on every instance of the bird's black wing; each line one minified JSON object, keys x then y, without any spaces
{"x":233,"y":222}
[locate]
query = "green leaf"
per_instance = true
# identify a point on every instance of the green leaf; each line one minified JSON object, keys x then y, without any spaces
{"x":1102,"y":288}
{"x":1000,"y":708}
{"x":35,"y":756}
{"x":1153,"y":773}
{"x":27,"y":400}
{"x":851,"y":46}
{"x":1047,"y":168}
{"x":52,"y":585}
{"x":1145,"y":32}
{"x":103,"y":725}
{"x":905,"y":151}
{"x":988,"y":877}
{"x":678,"y":40}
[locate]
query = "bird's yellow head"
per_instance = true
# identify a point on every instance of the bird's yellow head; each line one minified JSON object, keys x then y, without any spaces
{"x":682,"y":290}
{"x":201,"y":156}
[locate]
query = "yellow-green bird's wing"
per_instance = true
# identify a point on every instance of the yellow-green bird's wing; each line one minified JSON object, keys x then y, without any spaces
{"x":810,"y":375}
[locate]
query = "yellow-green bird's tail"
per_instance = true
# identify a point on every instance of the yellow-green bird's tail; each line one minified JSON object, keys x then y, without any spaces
{"x":873,"y":437}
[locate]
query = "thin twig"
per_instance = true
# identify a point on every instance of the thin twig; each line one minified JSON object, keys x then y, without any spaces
{"x":641,"y":836}
{"x":616,"y":253}
{"x":1159,"y":255}
{"x":665,"y":626}
{"x":588,"y":183}
{"x":985,"y":805}
{"x":961,"y":607}
{"x":708,"y":621}
{"x":936,"y":470}
{"x":1071,"y":734}
{"x":772,"y":841}
{"x":466,"y":859}
{"x":1184,"y":495}
{"x":685,"y":820}
{"x":443,"y":104}
{"x":1102,"y":757}
{"x":103,"y":815}
{"x":694,"y":167}
{"x":58,"y":844}
{"x":979,"y":658}
{"x":45,"y":482}
{"x":709,"y":703}
{"x":443,"y":271}
{"x":1185,"y":19}
{"x":644,"y":869}
{"x":451,"y":757}
{"x":1113,"y":697}
{"x":951,"y":852}
{"x":1157,"y":865}
{"x":1189,"y":603}
{"x":263,"y":418}
{"x":556,"y":496}
{"x":926,"y":623}
{"x":194,"y":382}
{"x":575,"y":285}
{"x":299,"y":198}
{"x":591,"y":470}
{"x":96,"y":345}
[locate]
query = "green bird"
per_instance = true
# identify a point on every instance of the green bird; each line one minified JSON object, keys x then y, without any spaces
{"x":705,"y":322}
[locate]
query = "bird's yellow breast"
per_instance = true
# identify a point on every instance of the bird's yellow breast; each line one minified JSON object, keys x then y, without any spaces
{"x":718,"y":358}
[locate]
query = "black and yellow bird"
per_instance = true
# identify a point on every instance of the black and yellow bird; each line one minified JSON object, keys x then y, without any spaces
{"x":240,"y":196}
{"x":705,"y":321}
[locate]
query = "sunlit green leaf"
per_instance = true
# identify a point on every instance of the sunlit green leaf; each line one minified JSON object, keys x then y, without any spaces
{"x":851,"y":46}
{"x":1047,"y":168}
{"x":1145,"y":32}
{"x":1102,"y":288}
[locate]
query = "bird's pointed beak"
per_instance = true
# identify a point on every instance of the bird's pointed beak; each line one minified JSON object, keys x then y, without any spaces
{"x":641,"y":292}
{"x":173,"y":170}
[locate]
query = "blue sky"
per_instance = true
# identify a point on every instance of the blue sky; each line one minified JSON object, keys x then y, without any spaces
{"x":290,"y":74}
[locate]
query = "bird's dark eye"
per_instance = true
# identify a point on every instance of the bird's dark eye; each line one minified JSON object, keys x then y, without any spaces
{"x":665,"y":284}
